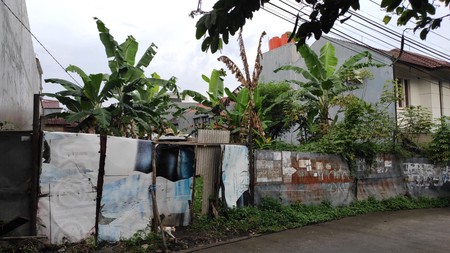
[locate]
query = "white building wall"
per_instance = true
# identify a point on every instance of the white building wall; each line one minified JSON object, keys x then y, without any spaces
{"x":19,"y":75}
{"x":424,"y":89}
{"x":415,"y":89}
{"x":446,"y":98}
{"x":435,"y":99}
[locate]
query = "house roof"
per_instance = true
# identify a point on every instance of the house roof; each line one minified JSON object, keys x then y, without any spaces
{"x":418,"y":59}
{"x":50,"y":104}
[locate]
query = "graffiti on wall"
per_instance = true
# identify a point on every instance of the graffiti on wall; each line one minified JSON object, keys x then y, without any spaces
{"x":383,"y":165}
{"x":299,"y":168}
{"x":425,"y":175}
{"x":305,"y":178}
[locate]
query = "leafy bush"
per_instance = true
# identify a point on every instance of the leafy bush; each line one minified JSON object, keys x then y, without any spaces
{"x":439,"y":148}
{"x":272,"y":216}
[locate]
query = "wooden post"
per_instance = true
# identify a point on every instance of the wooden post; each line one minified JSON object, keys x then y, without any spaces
{"x":36,"y":149}
{"x":191,"y":207}
{"x":100,"y":177}
{"x":250,"y":157}
{"x":156,"y":222}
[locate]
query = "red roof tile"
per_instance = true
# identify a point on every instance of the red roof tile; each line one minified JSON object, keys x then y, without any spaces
{"x":419,"y":60}
{"x":50,"y":104}
{"x":57,"y":121}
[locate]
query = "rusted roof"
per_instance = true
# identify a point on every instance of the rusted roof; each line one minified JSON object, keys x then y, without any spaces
{"x":50,"y":104}
{"x":57,"y":121}
{"x":419,"y":60}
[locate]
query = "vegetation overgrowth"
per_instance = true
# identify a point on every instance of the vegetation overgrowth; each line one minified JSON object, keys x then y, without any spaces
{"x":270,"y":216}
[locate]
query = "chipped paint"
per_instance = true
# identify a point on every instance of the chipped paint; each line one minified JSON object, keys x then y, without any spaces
{"x":308,"y":178}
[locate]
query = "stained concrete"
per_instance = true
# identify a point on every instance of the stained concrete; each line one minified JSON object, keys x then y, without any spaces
{"x":425,"y":230}
{"x":20,"y":75}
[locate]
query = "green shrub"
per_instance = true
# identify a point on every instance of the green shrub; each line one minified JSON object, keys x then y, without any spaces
{"x":439,"y":148}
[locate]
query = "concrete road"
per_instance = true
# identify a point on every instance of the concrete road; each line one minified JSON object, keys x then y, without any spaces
{"x":425,"y":230}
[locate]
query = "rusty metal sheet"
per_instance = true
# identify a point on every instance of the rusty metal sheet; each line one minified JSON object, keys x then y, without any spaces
{"x":15,"y":178}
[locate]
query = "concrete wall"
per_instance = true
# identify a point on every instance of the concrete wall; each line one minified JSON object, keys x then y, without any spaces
{"x":19,"y":74}
{"x":446,"y":98}
{"x":302,"y":177}
{"x":312,"y":178}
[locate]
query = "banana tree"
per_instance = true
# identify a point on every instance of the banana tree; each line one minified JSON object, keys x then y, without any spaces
{"x":324,"y":83}
{"x":238,"y":114}
{"x":136,"y":103}
{"x":250,"y":82}
{"x":84,"y":103}
{"x":215,"y":104}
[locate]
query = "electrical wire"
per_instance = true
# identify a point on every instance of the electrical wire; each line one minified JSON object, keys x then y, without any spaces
{"x":38,"y":41}
{"x":349,"y":39}
{"x":395,"y":36}
{"x":411,"y":22}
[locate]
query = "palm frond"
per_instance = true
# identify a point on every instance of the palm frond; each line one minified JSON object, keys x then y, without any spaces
{"x":258,"y":67}
{"x":243,"y":56}
{"x":234,"y":70}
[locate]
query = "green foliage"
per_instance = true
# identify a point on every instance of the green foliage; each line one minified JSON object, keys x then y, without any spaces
{"x":415,"y":121}
{"x":324,"y":85}
{"x":143,"y":241}
{"x":198,"y":195}
{"x":215,"y":103}
{"x":272,"y":216}
{"x":137,"y":104}
{"x":439,"y":147}
{"x":228,"y":16}
{"x":423,"y":12}
{"x":282,"y":146}
{"x":276,"y":108}
{"x":228,"y":110}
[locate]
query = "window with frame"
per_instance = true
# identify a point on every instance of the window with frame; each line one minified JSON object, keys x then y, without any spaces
{"x":403,"y":93}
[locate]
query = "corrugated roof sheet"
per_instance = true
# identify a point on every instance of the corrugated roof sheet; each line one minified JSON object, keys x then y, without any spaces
{"x":50,"y":104}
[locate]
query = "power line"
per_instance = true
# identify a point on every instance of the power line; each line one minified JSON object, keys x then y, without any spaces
{"x":38,"y":41}
{"x":411,"y":22}
{"x":350,"y":40}
{"x":396,"y":36}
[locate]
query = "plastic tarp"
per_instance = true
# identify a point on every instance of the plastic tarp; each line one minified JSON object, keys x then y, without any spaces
{"x":235,"y":173}
{"x":67,"y":203}
{"x":66,"y":207}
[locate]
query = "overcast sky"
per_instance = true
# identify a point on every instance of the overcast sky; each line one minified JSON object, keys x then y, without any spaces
{"x":68,"y":30}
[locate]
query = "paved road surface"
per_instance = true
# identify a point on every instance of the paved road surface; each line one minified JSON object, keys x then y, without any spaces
{"x":425,"y":230}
